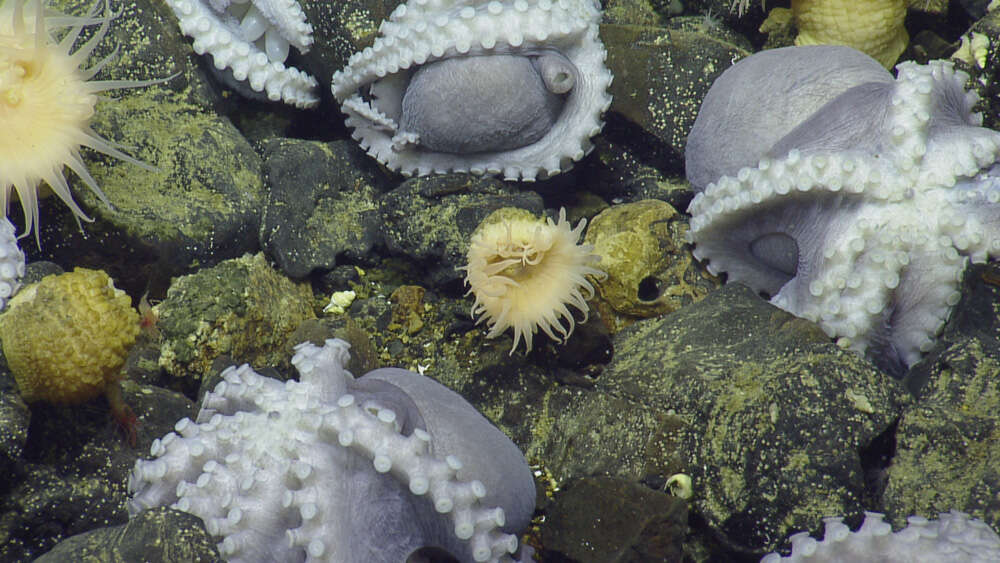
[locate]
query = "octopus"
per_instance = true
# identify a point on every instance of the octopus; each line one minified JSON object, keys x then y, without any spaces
{"x":515,"y":87}
{"x":847,"y":196}
{"x":954,"y":536}
{"x":388,"y":467}
{"x":249,"y":42}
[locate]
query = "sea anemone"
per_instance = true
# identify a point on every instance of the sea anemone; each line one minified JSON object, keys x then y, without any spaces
{"x":46,"y":101}
{"x":524,"y":271}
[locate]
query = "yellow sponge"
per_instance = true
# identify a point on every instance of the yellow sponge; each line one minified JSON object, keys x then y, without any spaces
{"x":874,"y":27}
{"x":67,"y":336}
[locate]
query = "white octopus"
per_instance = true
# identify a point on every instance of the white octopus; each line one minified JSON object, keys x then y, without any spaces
{"x":386,"y":467}
{"x":954,"y":536}
{"x":11,"y":263}
{"x":512,"y":87}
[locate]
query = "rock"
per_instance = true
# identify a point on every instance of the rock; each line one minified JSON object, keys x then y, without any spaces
{"x":160,"y":534}
{"x":981,"y":45}
{"x":14,"y":420}
{"x":346,"y":28}
{"x":947,"y":455}
{"x":320,"y":207}
{"x":661,"y":76}
{"x":70,"y":475}
{"x":758,"y":407}
{"x":44,"y":506}
{"x":430,"y":220}
{"x":201,"y":205}
{"x":607,"y":520}
{"x":149,"y":45}
{"x":640,"y":12}
{"x":642,"y":249}
{"x":75,"y":463}
{"x":241,"y":308}
{"x":974,"y":326}
{"x":617,"y":173}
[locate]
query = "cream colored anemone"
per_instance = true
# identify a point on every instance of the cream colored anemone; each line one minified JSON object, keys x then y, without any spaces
{"x":524,"y":271}
{"x":46,"y":102}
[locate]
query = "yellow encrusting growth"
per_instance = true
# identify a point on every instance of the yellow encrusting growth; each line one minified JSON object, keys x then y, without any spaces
{"x":524,"y":271}
{"x":46,"y":102}
{"x":66,"y":337}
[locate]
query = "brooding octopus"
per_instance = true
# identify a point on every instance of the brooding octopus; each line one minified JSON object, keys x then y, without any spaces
{"x":514,"y":87}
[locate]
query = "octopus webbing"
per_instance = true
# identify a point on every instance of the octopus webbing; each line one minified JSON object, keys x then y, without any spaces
{"x":513,"y":87}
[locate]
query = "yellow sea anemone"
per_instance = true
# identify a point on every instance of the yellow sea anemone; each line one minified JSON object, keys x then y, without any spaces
{"x":524,"y":271}
{"x":46,"y":102}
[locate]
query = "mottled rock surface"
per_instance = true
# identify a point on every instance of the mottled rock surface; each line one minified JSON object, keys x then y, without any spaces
{"x":241,"y":308}
{"x":429,"y":220}
{"x":947,"y":452}
{"x":14,"y":419}
{"x":764,"y":413}
{"x":70,"y":476}
{"x":159,"y":534}
{"x":607,"y":520}
{"x":642,"y":249}
{"x":321,"y":204}
{"x":149,"y":46}
{"x":661,"y":77}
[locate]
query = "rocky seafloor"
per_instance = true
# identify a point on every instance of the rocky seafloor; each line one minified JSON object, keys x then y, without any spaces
{"x":257,"y":213}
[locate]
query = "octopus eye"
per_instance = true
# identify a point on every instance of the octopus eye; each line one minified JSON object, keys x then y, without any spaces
{"x":777,"y":251}
{"x":366,"y":94}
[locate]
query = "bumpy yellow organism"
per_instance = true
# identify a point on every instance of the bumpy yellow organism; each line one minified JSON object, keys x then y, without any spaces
{"x":874,"y":27}
{"x":67,"y":336}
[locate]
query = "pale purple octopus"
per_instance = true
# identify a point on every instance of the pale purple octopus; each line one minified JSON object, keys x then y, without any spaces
{"x":849,"y":197}
{"x":390,"y":467}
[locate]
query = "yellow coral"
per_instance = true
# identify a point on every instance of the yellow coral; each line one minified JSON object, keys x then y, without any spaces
{"x":67,"y":336}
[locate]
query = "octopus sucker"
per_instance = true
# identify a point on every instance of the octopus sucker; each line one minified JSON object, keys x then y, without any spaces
{"x":513,"y":88}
